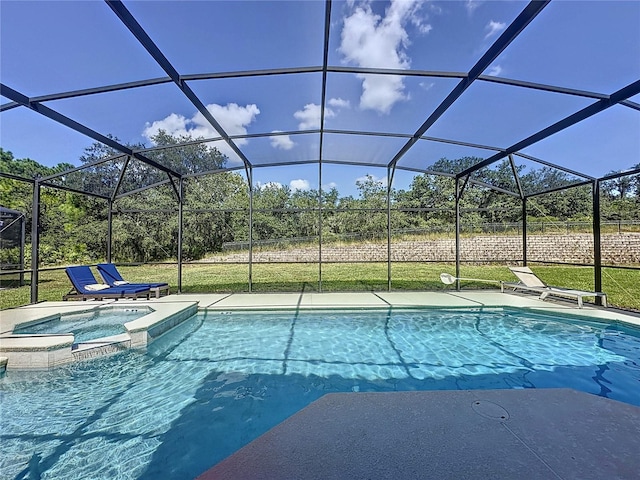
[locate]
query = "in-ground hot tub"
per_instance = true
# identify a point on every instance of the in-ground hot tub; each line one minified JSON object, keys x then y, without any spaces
{"x":50,"y":340}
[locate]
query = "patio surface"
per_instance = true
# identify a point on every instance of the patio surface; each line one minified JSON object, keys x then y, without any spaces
{"x":479,"y":434}
{"x":452,"y":299}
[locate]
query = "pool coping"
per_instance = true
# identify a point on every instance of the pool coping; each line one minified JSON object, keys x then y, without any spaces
{"x":24,"y":352}
{"x":45,"y":351}
{"x":404,"y":299}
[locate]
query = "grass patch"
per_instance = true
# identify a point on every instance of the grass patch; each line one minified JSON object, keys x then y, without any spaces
{"x":620,"y":285}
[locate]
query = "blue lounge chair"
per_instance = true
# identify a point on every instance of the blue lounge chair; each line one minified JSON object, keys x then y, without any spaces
{"x":111,"y":275}
{"x":85,"y":286}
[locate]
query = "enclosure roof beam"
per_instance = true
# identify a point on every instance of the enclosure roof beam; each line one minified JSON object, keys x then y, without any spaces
{"x":74,"y":190}
{"x":90,"y":91}
{"x":212,"y":172}
{"x":597,"y":107}
{"x":251,"y":73}
{"x":512,"y":31}
{"x":317,"y":131}
{"x":120,"y":178}
{"x":553,"y":165}
{"x":516,"y":176}
{"x":480,"y":183}
{"x":18,"y":178}
{"x":396,"y":71}
{"x":95,"y":163}
{"x":78,"y":127}
{"x":558,"y":189}
{"x":142,"y":189}
{"x":426,"y":172}
{"x":141,"y":35}
{"x":315,"y":69}
{"x":623,"y":173}
{"x":554,"y":89}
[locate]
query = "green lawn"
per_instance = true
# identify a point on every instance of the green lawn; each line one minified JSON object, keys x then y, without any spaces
{"x":621,"y":286}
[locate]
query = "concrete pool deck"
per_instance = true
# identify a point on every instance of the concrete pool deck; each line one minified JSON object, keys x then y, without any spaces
{"x":462,"y":299}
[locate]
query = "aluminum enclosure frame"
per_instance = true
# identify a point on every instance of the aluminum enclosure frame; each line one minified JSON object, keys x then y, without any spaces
{"x":475,"y":74}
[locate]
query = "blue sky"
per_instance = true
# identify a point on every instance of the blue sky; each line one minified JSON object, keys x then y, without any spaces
{"x":49,"y":47}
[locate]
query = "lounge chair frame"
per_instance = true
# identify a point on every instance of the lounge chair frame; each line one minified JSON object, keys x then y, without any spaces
{"x":526,"y":277}
{"x":75,"y":295}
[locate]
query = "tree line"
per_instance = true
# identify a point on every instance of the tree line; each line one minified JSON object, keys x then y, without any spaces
{"x":73,"y":227}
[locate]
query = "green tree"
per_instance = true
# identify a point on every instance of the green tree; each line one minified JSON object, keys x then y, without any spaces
{"x":153,"y":236}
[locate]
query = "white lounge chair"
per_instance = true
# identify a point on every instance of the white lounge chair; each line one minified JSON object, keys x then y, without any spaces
{"x":530,"y":281}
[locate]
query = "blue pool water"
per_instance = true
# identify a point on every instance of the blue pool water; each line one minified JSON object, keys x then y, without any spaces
{"x":87,"y":325}
{"x":216,"y":382}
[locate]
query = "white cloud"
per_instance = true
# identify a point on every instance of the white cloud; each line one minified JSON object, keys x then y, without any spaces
{"x":494,"y":28}
{"x":427,"y":85}
{"x":471,"y":6}
{"x":365,"y":178}
{"x":420,"y":24}
{"x":494,"y":71}
{"x":172,"y":123}
{"x":310,"y":116}
{"x":339,"y":103}
{"x":233,"y":118}
{"x":299,"y":184}
{"x":368,"y":40}
{"x":329,"y":186}
{"x":381,"y":93}
{"x":282,"y":142}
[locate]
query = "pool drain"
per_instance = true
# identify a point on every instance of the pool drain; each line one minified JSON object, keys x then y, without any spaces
{"x":490,"y":410}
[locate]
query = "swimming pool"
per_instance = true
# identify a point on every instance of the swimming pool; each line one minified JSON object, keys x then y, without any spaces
{"x":87,"y":325}
{"x":217,"y":381}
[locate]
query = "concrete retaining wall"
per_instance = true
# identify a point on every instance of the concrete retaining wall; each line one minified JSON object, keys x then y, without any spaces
{"x":619,"y":248}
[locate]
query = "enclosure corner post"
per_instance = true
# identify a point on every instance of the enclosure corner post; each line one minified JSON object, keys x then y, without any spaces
{"x":35,"y":241}
{"x":597,"y":253}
